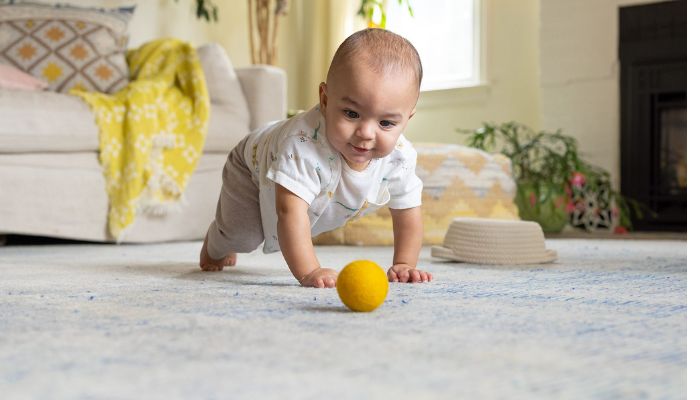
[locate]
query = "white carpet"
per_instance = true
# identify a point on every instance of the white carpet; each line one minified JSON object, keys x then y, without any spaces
{"x":607,"y":321}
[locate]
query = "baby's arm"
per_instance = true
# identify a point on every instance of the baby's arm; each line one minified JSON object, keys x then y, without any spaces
{"x":408,"y":238}
{"x":294,"y":234}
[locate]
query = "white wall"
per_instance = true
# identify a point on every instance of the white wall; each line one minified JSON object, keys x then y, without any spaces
{"x":579,"y":75}
{"x":165,"y":18}
{"x":170,"y":18}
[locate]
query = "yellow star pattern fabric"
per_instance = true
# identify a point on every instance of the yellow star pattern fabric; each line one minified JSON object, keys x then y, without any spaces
{"x":152,"y":131}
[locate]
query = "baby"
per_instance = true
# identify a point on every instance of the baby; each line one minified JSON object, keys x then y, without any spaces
{"x":294,"y":179}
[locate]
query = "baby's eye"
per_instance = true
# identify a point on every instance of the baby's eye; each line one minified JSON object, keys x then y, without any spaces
{"x":386,"y":124}
{"x":351,"y":114}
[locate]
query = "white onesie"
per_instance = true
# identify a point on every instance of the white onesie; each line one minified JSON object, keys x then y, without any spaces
{"x":295,"y":154}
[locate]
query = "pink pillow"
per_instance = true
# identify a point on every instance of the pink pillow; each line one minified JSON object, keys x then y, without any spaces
{"x":13,"y":78}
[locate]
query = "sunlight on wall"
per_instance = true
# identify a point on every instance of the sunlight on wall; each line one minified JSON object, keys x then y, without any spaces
{"x":510,"y":90}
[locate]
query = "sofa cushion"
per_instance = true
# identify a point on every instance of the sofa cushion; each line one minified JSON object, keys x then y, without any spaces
{"x":222,"y":83}
{"x":458,"y":181}
{"x":56,"y":122}
{"x":45,"y":122}
{"x":227,"y":99}
{"x":66,"y":45}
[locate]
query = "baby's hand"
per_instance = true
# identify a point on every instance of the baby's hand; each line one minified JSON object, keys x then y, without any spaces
{"x":406,"y":273}
{"x":320,"y":278}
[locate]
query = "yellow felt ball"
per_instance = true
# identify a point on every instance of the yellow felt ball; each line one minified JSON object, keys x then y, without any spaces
{"x":362,"y":285}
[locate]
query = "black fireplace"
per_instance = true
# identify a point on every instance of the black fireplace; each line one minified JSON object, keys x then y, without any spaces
{"x":653,"y":92}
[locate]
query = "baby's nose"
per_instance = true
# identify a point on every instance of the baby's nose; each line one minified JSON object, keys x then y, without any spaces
{"x":365,"y":131}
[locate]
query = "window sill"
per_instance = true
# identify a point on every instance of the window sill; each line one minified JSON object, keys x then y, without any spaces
{"x":478,"y":94}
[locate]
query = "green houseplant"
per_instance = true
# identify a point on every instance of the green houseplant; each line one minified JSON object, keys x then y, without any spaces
{"x":555,"y":185}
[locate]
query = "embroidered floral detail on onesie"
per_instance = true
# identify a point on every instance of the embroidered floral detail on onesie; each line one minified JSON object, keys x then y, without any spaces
{"x":346,"y":207}
{"x":401,"y":163}
{"x":331,"y":168}
{"x":315,"y":136}
{"x":255,"y":157}
{"x":365,"y":206}
{"x":320,"y":176}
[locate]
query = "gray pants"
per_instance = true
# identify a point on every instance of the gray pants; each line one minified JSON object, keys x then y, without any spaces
{"x":238,"y":225}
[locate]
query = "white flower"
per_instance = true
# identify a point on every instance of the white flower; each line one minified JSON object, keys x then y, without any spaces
{"x":131,"y":172}
{"x":190,"y":154}
{"x":171,"y":171}
{"x":179,"y":141}
{"x":142,"y":143}
{"x":112,"y":149}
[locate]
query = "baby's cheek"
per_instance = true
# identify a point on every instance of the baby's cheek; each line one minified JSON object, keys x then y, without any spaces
{"x":386,"y":146}
{"x":335,"y":142}
{"x":344,"y":125}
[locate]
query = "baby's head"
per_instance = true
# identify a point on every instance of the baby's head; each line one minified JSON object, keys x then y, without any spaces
{"x":369,"y":95}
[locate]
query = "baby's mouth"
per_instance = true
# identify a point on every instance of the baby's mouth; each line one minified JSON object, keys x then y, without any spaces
{"x":359,"y":149}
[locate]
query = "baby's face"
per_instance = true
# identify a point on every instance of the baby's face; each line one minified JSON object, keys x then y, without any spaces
{"x":366,"y":112}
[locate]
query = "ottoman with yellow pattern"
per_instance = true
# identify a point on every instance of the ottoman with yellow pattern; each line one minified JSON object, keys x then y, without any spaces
{"x":458,"y":181}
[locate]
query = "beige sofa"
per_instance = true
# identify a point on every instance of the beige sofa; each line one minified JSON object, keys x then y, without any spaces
{"x":51,"y":181}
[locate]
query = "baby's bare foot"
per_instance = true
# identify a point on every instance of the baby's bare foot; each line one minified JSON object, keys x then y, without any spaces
{"x":207,"y":263}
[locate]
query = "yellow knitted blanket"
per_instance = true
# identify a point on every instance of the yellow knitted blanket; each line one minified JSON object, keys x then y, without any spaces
{"x":152,"y":131}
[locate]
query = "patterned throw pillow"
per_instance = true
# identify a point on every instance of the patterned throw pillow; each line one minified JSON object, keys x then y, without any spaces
{"x":67,"y":46}
{"x":458,"y":181}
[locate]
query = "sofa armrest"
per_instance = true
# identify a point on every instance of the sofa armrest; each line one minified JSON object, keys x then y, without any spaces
{"x":265,"y":88}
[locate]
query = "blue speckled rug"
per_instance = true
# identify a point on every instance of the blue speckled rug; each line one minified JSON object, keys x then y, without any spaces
{"x":607,"y":321}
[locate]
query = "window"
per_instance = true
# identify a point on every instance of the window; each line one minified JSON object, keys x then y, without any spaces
{"x":446,"y":33}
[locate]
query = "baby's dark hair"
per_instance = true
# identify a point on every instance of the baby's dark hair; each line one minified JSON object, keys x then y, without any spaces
{"x":382,"y":50}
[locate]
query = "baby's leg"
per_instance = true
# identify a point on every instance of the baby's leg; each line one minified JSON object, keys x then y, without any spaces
{"x":237,"y":227}
{"x":207,"y":263}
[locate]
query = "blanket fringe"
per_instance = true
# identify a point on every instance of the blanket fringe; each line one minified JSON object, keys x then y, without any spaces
{"x":151,"y":203}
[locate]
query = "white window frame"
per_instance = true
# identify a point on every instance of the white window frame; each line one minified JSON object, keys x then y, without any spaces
{"x":477,"y":57}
